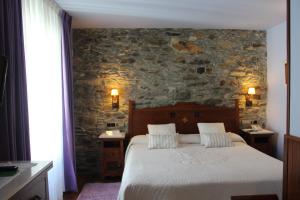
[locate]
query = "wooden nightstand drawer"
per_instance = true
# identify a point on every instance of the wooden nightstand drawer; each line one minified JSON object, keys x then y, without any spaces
{"x":267,"y":149}
{"x":113,"y":166}
{"x":112,"y":154}
{"x":261,"y":141}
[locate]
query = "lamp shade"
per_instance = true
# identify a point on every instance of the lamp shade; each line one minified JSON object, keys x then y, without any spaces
{"x":251,"y":90}
{"x":114,"y":92}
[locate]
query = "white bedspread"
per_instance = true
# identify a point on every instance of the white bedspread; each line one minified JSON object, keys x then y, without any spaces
{"x":194,"y":172}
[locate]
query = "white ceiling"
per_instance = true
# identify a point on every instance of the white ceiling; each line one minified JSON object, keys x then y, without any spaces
{"x":232,"y":14}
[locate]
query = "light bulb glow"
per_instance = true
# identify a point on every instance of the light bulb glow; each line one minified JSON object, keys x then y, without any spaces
{"x":114,"y":92}
{"x":251,"y":91}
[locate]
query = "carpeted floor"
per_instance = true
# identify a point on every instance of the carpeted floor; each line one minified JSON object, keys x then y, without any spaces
{"x":99,"y":191}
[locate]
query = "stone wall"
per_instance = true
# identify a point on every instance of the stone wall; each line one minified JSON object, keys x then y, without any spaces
{"x":159,"y":67}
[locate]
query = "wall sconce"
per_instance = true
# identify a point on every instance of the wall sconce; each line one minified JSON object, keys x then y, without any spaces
{"x":115,"y":98}
{"x":251,"y":92}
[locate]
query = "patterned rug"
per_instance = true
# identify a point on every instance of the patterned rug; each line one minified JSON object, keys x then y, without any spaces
{"x":99,"y":191}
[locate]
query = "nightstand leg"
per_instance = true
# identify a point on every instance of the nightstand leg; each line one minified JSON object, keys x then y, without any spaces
{"x":122,"y":152}
{"x":101,"y":160}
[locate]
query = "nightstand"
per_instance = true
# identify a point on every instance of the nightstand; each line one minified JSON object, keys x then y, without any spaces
{"x":260,"y":140}
{"x":112,"y":155}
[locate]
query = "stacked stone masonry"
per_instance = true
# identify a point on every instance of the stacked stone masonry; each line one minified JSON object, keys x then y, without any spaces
{"x":158,"y":67}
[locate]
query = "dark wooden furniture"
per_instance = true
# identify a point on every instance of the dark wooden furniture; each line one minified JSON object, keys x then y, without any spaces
{"x":28,"y":184}
{"x":255,"y":197}
{"x":260,"y":141}
{"x":291,"y":172}
{"x":184,"y":115}
{"x":291,"y":168}
{"x":112,"y":156}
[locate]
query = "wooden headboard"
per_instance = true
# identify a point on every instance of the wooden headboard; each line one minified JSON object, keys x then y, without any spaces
{"x":184,"y":115}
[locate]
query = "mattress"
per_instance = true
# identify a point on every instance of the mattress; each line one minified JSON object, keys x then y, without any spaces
{"x":194,"y":172}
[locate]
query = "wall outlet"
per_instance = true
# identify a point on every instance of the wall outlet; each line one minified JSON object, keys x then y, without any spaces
{"x":111,"y":125}
{"x":254,"y":122}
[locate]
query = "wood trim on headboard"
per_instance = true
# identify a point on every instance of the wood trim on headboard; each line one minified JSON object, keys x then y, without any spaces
{"x":131,"y":108}
{"x":184,"y":115}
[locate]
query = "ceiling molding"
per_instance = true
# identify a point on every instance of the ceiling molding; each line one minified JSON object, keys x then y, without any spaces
{"x":202,"y":14}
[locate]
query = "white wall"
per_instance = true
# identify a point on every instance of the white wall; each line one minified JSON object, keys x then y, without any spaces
{"x":295,"y":68}
{"x":276,"y":100}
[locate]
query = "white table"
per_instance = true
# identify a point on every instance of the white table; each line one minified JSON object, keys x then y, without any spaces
{"x":30,"y":181}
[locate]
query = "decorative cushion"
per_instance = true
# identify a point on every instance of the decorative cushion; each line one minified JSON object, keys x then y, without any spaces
{"x":212,"y":140}
{"x":162,"y":141}
{"x":210,"y":128}
{"x":162,"y":136}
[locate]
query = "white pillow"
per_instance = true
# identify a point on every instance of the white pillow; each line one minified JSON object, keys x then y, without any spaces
{"x":213,"y":140}
{"x":161,"y":129}
{"x":162,"y":141}
{"x":209,"y":128}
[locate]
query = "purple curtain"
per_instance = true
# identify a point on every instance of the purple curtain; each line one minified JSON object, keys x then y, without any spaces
{"x":68,"y":125}
{"x":14,"y":125}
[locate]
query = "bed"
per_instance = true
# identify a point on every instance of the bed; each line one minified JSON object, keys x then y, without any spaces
{"x":192,"y":171}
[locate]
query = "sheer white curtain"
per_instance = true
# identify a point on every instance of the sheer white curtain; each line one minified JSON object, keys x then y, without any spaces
{"x":42,"y":35}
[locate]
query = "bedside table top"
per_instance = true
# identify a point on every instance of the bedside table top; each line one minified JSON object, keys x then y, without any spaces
{"x":105,"y":135}
{"x":252,"y":132}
